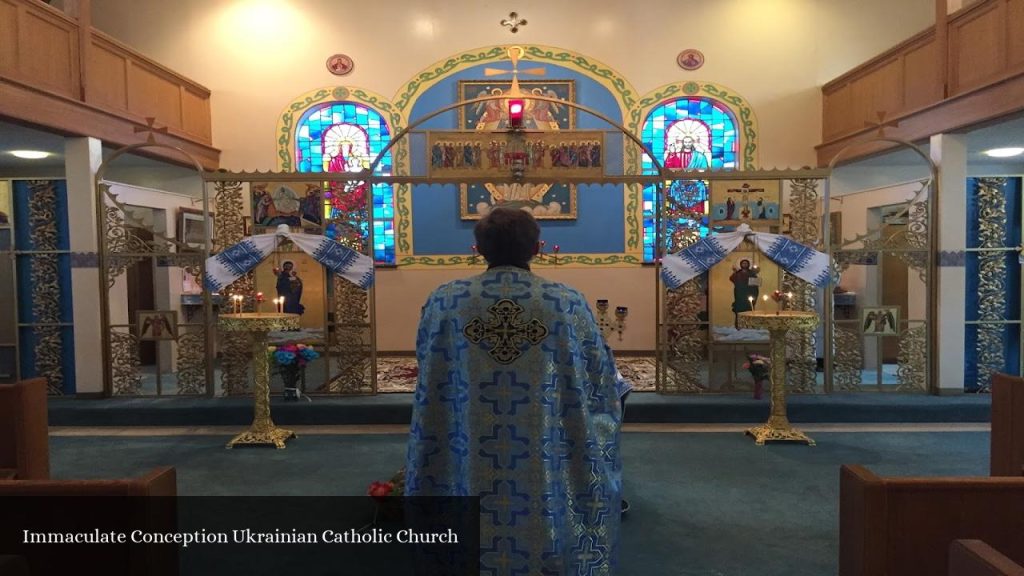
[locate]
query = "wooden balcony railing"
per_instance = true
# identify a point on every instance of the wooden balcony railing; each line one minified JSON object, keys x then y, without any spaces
{"x":60,"y":73}
{"x":967,"y":69}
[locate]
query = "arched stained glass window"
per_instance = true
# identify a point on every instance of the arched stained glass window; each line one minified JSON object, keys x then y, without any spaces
{"x":346,"y":137}
{"x":686,"y":134}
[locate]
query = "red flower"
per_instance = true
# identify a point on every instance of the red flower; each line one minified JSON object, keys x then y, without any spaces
{"x":380,"y":490}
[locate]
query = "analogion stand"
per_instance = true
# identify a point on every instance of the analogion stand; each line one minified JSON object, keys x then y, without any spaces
{"x":778,"y":428}
{"x":256,"y":326}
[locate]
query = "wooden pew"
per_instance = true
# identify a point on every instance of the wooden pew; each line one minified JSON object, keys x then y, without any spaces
{"x":1007,"y":454}
{"x":976,"y":558}
{"x":147,"y":503}
{"x":24,"y":435}
{"x":905,"y":526}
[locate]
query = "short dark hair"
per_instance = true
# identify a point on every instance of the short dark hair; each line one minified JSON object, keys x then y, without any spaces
{"x":507,"y":237}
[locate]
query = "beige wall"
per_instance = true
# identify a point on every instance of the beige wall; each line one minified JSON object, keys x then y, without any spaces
{"x":257,"y":55}
{"x":401,"y":294}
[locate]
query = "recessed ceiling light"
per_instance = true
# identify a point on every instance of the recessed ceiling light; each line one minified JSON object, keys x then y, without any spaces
{"x":1004,"y":152}
{"x":30,"y":154}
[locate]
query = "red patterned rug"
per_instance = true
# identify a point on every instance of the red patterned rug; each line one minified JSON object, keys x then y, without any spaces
{"x":398,"y":374}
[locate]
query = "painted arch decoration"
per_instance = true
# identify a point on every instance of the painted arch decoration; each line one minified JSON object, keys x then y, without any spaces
{"x":634,"y":108}
{"x":691,"y":126}
{"x":343,"y":130}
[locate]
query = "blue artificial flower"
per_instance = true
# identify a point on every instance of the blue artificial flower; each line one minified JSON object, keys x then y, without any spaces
{"x":284,"y":357}
{"x":309,"y":354}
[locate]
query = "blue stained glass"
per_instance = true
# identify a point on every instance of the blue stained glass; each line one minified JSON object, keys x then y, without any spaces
{"x":722,"y":146}
{"x":315,"y":124}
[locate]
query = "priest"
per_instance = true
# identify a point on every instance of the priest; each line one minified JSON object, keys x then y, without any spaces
{"x":518,"y":402}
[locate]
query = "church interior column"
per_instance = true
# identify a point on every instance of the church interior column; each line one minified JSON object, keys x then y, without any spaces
{"x":83,"y":157}
{"x":949,"y":152}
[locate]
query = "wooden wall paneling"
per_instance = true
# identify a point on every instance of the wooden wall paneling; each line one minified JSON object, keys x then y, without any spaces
{"x":195,"y":114}
{"x":994,"y":101}
{"x":922,"y":82}
{"x":881,"y":90}
{"x":977,"y":45}
{"x":150,"y":94}
{"x":8,"y":38}
{"x":107,"y":82}
{"x":1015,"y":35}
{"x":63,"y":114}
{"x":48,"y":51}
{"x":838,"y":118}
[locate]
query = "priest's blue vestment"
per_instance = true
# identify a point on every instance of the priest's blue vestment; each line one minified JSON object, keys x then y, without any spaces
{"x":517,"y":401}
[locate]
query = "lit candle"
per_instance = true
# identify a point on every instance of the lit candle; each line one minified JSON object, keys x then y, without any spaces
{"x":751,"y":300}
{"x":765,"y":297}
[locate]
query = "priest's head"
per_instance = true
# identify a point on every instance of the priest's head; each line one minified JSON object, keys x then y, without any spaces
{"x":508,"y":237}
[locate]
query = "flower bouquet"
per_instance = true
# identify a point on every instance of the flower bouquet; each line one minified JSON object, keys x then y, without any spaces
{"x":291,"y":359}
{"x":386,"y":496}
{"x":760,"y":370}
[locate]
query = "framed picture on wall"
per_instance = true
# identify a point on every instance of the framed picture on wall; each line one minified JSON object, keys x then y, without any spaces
{"x":880,"y":320}
{"x":190,"y":227}
{"x":835,"y":228}
{"x":158,"y":324}
{"x":545,"y":201}
{"x":755,"y":202}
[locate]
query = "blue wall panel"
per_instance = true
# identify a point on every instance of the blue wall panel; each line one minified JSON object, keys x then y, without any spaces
{"x":600,"y":223}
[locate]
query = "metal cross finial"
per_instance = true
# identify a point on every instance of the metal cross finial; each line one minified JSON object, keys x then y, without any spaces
{"x":150,"y":128}
{"x":882,"y":124}
{"x":513,"y":22}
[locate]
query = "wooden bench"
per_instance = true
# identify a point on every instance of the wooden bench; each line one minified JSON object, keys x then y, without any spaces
{"x":24,"y":435}
{"x":1007,"y":454}
{"x":905,"y":526}
{"x":976,"y":558}
{"x":147,"y":503}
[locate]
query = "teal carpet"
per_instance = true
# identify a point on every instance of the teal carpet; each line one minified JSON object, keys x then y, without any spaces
{"x":703,"y":504}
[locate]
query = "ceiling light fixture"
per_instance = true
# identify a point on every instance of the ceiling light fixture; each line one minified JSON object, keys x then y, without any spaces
{"x":30,"y":154}
{"x":1004,"y":152}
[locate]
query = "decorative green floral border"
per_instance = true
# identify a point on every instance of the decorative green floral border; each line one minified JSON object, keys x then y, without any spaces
{"x":286,"y":123}
{"x":566,"y":259}
{"x":747,"y":121}
{"x":380,"y":104}
{"x":620,"y":88}
{"x":634,"y":110}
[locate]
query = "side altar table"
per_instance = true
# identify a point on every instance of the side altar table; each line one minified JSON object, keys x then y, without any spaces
{"x":778,"y":428}
{"x":256,"y":326}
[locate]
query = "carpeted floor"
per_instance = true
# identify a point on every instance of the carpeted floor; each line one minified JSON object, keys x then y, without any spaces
{"x":703,"y":504}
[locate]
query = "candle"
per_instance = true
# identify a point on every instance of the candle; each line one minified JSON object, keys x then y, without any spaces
{"x":765,"y":297}
{"x":751,"y":300}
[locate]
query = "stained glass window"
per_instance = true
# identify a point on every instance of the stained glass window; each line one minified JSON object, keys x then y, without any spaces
{"x":686,"y":134}
{"x":346,"y":137}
